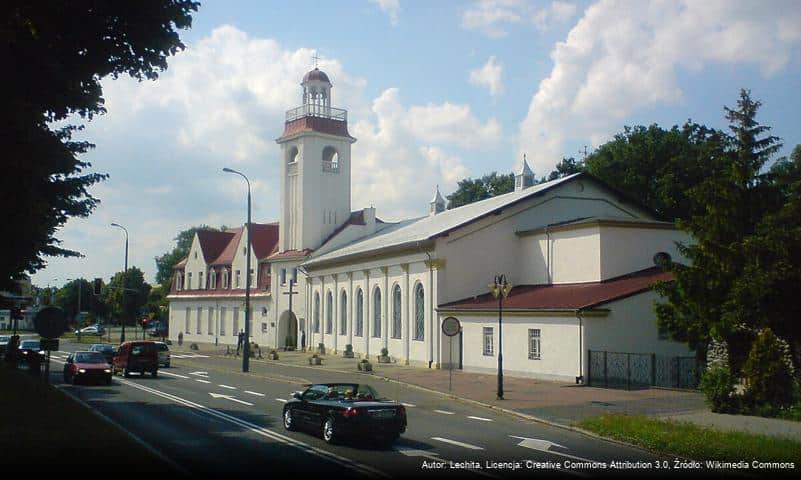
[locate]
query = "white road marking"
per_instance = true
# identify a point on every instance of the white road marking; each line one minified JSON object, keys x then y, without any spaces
{"x":200,"y":374}
{"x":172,"y":374}
{"x":412,"y":452}
{"x":545,"y":446}
{"x":345,"y":462}
{"x":254,"y":393}
{"x":458,"y":444}
{"x":480,"y":418}
{"x":281,"y":400}
{"x":229,"y":397}
{"x":202,"y":381}
{"x":408,"y":404}
{"x":444,"y":412}
{"x":227,"y":386}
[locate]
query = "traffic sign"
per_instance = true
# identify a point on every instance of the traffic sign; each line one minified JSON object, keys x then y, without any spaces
{"x":451,"y":326}
{"x":50,"y":322}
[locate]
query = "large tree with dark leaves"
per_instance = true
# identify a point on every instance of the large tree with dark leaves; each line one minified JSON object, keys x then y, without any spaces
{"x":55,"y":54}
{"x":742,"y":272}
{"x":183,"y":242}
{"x":472,"y":190}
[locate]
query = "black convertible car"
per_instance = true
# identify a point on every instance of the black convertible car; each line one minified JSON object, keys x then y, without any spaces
{"x":345,"y":409}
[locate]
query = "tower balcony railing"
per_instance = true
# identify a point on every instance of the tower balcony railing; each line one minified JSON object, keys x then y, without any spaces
{"x":322,"y":111}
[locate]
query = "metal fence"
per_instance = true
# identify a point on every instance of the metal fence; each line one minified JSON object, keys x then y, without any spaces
{"x":641,"y":370}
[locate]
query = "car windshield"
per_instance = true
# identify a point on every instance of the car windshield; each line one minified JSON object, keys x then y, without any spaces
{"x":89,"y":357}
{"x":101,"y":347}
{"x":162,"y":346}
{"x":30,"y":344}
{"x":343,"y":392}
{"x":4,"y":339}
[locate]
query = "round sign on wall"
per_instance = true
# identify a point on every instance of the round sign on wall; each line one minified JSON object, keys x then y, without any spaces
{"x":451,"y":326}
{"x":50,"y":322}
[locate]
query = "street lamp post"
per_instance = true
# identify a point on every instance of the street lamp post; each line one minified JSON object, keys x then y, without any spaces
{"x":500,"y":289}
{"x":124,"y":280}
{"x":246,"y":346}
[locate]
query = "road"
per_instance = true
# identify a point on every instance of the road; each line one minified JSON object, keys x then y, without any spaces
{"x":210,"y":419}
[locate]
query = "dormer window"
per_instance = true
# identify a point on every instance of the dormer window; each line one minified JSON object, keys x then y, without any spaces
{"x":237,"y":279}
{"x":225,"y":278}
{"x":200,"y":284}
{"x":189,"y":281}
{"x":212,"y":279}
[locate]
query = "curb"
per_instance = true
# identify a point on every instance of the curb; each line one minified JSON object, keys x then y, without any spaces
{"x":181,"y":471}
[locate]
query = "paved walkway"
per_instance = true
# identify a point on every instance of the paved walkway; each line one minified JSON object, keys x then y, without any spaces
{"x":556,"y":402}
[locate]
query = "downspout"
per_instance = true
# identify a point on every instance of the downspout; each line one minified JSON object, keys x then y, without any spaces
{"x":430,"y":305}
{"x":306,"y":303}
{"x":580,"y":377}
{"x":548,"y":254}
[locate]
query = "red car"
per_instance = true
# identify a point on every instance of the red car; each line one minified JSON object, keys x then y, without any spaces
{"x":137,"y":356}
{"x":87,"y":366}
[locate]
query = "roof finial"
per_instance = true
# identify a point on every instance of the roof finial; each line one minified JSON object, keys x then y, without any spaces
{"x":315,"y":58}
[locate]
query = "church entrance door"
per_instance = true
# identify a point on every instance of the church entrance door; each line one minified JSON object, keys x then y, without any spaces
{"x":288,"y":327}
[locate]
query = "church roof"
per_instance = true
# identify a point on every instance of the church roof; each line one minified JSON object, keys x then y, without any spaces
{"x":212,"y":242}
{"x":316,"y":74}
{"x":572,"y":296}
{"x":408,"y":232}
{"x":310,"y":123}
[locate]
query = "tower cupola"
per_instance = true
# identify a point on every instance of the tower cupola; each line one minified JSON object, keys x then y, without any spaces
{"x":524,"y":177}
{"x":437,"y":204}
{"x":316,"y":91}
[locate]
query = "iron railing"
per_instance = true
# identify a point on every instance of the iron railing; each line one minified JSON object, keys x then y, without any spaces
{"x":311,"y":110}
{"x":641,"y":370}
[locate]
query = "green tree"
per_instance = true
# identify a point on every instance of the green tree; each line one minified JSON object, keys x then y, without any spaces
{"x":59,"y":51}
{"x":659,"y":166}
{"x":725,"y":287}
{"x":127,"y":297}
{"x":183,"y":242}
{"x":567,"y":166}
{"x":67,"y":298}
{"x":157,"y":304}
{"x":472,"y":190}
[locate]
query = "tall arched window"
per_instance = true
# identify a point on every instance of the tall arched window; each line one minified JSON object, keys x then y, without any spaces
{"x":343,"y":313}
{"x":359,"y":313}
{"x":396,"y":311}
{"x":419,"y":312}
{"x":316,"y":326}
{"x":329,"y":312}
{"x":377,"y":313}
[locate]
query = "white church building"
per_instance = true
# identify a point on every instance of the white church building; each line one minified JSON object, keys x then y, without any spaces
{"x":579,"y":254}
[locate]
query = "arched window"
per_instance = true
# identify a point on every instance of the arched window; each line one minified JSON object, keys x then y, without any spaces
{"x":343,"y":313}
{"x":396,"y":311}
{"x":330,"y":160}
{"x":316,"y":326}
{"x":359,"y":313}
{"x":292,"y":155}
{"x":329,"y":312}
{"x":377,"y":313}
{"x":419,"y":312}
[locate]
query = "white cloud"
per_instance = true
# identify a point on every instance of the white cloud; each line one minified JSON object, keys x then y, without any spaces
{"x":390,"y":7}
{"x":489,"y":76}
{"x":493,"y":17}
{"x":624,"y":56}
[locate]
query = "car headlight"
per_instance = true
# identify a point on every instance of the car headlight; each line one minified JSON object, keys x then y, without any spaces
{"x":108,"y":370}
{"x":24,"y":352}
{"x":81,"y":370}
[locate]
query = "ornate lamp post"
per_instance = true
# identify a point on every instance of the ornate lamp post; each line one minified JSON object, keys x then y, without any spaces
{"x":246,"y":346}
{"x":500,"y":289}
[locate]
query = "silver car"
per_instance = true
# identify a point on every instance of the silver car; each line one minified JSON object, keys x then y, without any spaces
{"x":164,"y":354}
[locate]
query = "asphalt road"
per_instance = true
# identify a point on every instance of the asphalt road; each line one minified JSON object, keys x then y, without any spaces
{"x":212,"y":420}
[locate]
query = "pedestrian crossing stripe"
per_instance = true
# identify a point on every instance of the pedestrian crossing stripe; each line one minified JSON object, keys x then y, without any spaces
{"x":190,"y":355}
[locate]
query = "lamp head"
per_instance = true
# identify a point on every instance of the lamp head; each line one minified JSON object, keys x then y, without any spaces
{"x":228,"y":170}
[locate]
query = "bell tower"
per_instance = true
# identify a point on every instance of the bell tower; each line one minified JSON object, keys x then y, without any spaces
{"x":315,"y":167}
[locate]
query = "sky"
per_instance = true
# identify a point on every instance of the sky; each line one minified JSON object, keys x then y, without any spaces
{"x":435,"y":92}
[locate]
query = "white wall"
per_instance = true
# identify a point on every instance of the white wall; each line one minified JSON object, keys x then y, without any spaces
{"x":195,"y":264}
{"x":239,"y":263}
{"x":178,"y":317}
{"x":627,"y":250}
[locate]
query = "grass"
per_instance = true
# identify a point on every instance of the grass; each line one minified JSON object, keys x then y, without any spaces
{"x":44,"y":429}
{"x":692,"y":441}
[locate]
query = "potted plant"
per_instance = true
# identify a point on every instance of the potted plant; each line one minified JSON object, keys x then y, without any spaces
{"x":348,"y":353}
{"x":321,"y":348}
{"x":273,"y":355}
{"x":315,"y":360}
{"x":384,"y":357}
{"x":194,"y":347}
{"x":364,"y":365}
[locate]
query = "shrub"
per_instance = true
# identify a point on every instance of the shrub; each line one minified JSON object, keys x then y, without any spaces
{"x":768,"y":377}
{"x":717,"y":383}
{"x":384,"y":352}
{"x":194,"y":347}
{"x":349,"y":348}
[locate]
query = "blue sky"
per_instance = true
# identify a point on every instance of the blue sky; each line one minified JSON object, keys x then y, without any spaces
{"x":436,"y":91}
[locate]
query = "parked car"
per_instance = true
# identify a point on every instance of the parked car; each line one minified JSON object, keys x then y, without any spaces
{"x":4,"y":343}
{"x":91,"y":330}
{"x":106,"y":349}
{"x":87,"y":366}
{"x":156,"y":329}
{"x":164,"y":354}
{"x":338,"y":410}
{"x":136,"y":356}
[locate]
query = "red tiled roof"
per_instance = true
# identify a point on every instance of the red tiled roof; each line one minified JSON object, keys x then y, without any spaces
{"x":264,"y":238}
{"x":290,"y":254}
{"x":316,"y":124}
{"x":228,"y":253}
{"x":181,"y":264}
{"x":212,"y":243}
{"x":567,"y":296}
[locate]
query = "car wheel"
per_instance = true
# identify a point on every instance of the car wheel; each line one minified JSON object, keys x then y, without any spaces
{"x":125,"y":372}
{"x":155,"y":373}
{"x":289,"y":420}
{"x":329,"y":431}
{"x":167,"y":365}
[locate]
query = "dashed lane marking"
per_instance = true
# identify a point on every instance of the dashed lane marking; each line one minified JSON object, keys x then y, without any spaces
{"x":445,"y":412}
{"x":480,"y":418}
{"x":281,"y":400}
{"x":254,"y":393}
{"x":202,"y":381}
{"x":458,"y":444}
{"x":172,"y":374}
{"x":227,"y":386}
{"x":408,"y":404}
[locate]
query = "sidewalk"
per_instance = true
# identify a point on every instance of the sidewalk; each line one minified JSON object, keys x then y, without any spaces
{"x":553,"y":402}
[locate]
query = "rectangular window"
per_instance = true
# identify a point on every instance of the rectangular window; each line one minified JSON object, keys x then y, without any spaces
{"x":199,"y":319}
{"x":534,"y":351}
{"x":213,"y":279}
{"x":252,"y":277}
{"x":211,"y":321}
{"x":235,"y":329}
{"x":238,"y":279}
{"x":225,"y":278}
{"x":283,"y":276}
{"x":488,"y":342}
{"x":189,"y":281}
{"x":295,"y":275}
{"x":222,"y":321}
{"x":200,"y":284}
{"x":186,"y":321}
